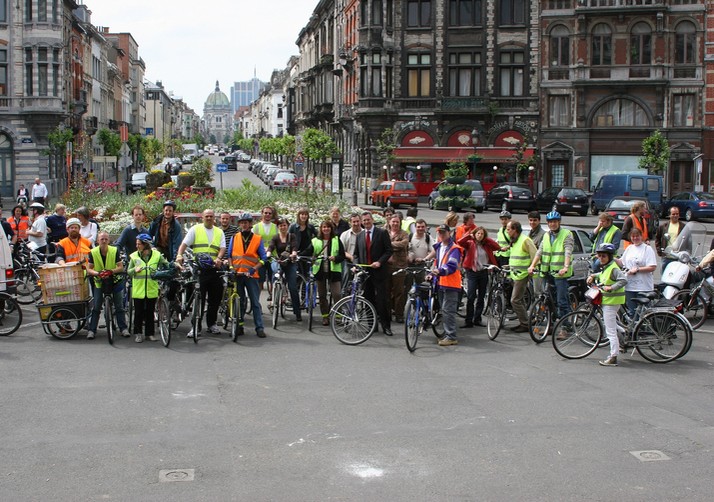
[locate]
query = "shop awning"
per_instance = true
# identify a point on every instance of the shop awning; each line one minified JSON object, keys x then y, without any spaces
{"x":447,"y":154}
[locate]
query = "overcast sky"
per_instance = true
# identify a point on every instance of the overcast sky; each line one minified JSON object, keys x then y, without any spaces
{"x":188,"y":45}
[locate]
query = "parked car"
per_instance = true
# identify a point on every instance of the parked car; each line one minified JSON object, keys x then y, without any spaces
{"x":629,"y":185}
{"x":620,"y":208}
{"x":477,"y":195}
{"x":564,"y":200}
{"x":243,"y":157}
{"x":394,"y":193}
{"x":138,"y":182}
{"x":692,"y":205}
{"x":284,"y":179}
{"x":511,"y":196}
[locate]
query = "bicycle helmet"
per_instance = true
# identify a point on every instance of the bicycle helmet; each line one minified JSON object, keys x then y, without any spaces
{"x":204,"y":261}
{"x":606,"y":248}
{"x":145,"y":238}
{"x":37,"y":205}
{"x":505,"y":214}
{"x":553,"y":215}
{"x":73,"y":221}
{"x":170,"y":203}
{"x":245,"y":217}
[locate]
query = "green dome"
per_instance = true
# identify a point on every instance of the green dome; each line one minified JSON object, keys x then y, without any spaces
{"x":217,"y":99}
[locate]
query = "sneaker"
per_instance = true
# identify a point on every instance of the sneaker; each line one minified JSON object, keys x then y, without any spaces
{"x":125,"y":333}
{"x":151,"y":338}
{"x":139,"y":338}
{"x":214,"y":330}
{"x":445,"y":342}
{"x":521,"y":328}
{"x":610,"y":361}
{"x":468,"y":324}
{"x":190,"y":333}
{"x":90,"y":335}
{"x":260,"y":333}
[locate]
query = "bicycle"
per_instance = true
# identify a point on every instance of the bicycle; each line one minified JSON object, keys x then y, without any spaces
{"x":26,"y":263}
{"x":545,"y":308}
{"x":307,"y":287}
{"x":281,"y":295}
{"x":353,"y":319}
{"x":495,"y":310}
{"x":108,"y":285}
{"x":656,"y":330}
{"x":163,"y":305}
{"x":696,"y":301}
{"x":10,"y":314}
{"x":422,"y":309}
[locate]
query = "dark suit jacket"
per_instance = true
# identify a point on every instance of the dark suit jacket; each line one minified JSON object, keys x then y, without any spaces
{"x":380,"y":250}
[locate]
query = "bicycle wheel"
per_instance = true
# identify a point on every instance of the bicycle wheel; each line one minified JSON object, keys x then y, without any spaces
{"x":668,"y":334}
{"x":539,"y":320}
{"x":129,"y":306}
{"x":411,"y":325}
{"x":164,"y":310}
{"x":577,"y":334}
{"x":302,"y":291}
{"x":284,"y":300}
{"x":28,"y":291}
{"x":235,"y":316}
{"x":437,"y":326}
{"x":353,"y":320}
{"x":196,"y":314}
{"x":277,"y":301}
{"x":108,"y":320}
{"x":495,"y":314}
{"x":10,"y":315}
{"x":310,"y":299}
{"x":694,"y":307}
{"x":63,"y":323}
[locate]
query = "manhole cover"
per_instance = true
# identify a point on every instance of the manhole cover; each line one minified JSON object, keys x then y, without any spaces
{"x":170,"y":475}
{"x":650,"y":455}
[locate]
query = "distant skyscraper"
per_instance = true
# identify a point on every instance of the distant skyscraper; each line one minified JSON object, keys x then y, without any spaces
{"x":244,"y":93}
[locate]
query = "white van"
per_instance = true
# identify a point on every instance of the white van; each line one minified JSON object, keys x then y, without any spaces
{"x":6,"y":268}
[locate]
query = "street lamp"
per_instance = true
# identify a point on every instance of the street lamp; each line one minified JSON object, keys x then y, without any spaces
{"x":531,"y":173}
{"x":419,"y":173}
{"x":495,"y":168}
{"x":386,"y":177}
{"x":474,"y":143}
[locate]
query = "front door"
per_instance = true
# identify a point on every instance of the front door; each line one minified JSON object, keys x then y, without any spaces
{"x":682,"y":177}
{"x":7,"y":180}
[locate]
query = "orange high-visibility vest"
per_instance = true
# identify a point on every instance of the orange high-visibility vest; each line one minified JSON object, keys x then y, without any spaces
{"x":245,"y":259}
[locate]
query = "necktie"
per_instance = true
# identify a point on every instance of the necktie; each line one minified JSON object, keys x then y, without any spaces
{"x":368,"y":241}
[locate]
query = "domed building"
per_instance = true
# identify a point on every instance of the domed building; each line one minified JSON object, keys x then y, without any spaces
{"x":217,"y":116}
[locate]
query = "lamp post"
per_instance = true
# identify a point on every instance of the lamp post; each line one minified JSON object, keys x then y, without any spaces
{"x":531,"y":173}
{"x":495,"y":168}
{"x":386,"y":173}
{"x":474,"y":143}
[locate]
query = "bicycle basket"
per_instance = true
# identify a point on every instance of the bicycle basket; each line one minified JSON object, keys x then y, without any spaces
{"x":594,"y":296}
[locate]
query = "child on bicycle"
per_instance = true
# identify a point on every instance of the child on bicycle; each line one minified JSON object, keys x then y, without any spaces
{"x":613,"y":296}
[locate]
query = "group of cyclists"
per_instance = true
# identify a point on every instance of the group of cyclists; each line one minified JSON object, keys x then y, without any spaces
{"x":459,"y":255}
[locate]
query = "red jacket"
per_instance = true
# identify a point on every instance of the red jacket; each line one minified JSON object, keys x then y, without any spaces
{"x":469,"y":244}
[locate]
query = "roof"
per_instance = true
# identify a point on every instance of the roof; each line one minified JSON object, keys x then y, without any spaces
{"x":217,"y":99}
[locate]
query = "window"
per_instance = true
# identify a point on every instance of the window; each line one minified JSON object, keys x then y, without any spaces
{"x":42,"y":11}
{"x":28,"y":11}
{"x":3,"y":11}
{"x":28,"y":72}
{"x":42,"y":71}
{"x":372,"y":68}
{"x":641,"y":44}
{"x":464,"y":12}
{"x":418,"y":13}
{"x":512,"y":12}
{"x":620,"y":113}
{"x":55,"y":11}
{"x":419,"y":75}
{"x":685,"y":43}
{"x":390,"y":13}
{"x":683,"y":110}
{"x":55,"y":72}
{"x":560,"y":46}
{"x":465,"y":74}
{"x":511,"y":71}
{"x":601,"y":45}
{"x":3,"y":72}
{"x":559,"y":111}
{"x":377,"y":12}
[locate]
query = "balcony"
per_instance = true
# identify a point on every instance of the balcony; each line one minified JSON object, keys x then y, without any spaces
{"x":41,"y":105}
{"x":589,"y":5}
{"x":418,"y":104}
{"x":516,"y":103}
{"x":457,"y":104}
{"x":557,"y":74}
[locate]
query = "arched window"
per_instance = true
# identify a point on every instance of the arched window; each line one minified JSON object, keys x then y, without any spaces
{"x":620,"y":113}
{"x":641,"y":44}
{"x":601,"y":49}
{"x":685,"y":43}
{"x":560,"y":46}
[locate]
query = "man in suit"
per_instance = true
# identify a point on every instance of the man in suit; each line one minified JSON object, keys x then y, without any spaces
{"x":373,"y":248}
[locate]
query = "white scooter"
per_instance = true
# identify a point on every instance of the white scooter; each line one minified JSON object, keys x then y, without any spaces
{"x":677,"y":274}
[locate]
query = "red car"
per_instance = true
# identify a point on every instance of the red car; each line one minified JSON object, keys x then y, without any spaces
{"x":394,"y":193}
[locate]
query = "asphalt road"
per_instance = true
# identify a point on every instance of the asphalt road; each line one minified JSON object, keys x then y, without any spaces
{"x":298,"y":416}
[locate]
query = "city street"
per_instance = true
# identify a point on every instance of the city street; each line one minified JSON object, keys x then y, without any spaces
{"x":299,"y":416}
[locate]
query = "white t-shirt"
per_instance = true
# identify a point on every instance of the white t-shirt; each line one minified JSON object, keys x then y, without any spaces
{"x":639,"y":256}
{"x":191,"y":236}
{"x":89,"y":232}
{"x":39,"y":225}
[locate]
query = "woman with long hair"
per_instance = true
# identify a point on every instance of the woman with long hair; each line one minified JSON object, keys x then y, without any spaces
{"x":328,"y":270}
{"x":283,"y":247}
{"x":478,"y":253}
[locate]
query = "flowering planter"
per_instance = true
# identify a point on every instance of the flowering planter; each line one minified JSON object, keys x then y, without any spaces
{"x":205,"y":191}
{"x":155,"y":180}
{"x":185,"y":182}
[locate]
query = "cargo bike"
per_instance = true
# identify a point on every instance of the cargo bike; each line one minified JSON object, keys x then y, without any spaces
{"x":66,"y":304}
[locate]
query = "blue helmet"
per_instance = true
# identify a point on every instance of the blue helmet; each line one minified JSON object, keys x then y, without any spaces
{"x":553,"y":215}
{"x":606,"y":248}
{"x":245,"y":217}
{"x":205,"y":262}
{"x":145,"y":238}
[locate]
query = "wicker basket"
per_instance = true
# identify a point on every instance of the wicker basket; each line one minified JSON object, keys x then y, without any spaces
{"x":63,"y":284}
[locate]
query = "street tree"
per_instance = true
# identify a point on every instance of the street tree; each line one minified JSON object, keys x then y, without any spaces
{"x":655,"y":153}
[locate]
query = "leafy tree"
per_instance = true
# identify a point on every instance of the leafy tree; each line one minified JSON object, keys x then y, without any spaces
{"x":655,"y":153}
{"x":246,"y":144}
{"x":386,"y":144}
{"x":152,"y":151}
{"x":198,"y":139}
{"x":212,"y":139}
{"x":58,"y":138}
{"x":174,"y":148}
{"x":110,"y":141}
{"x":317,"y":145}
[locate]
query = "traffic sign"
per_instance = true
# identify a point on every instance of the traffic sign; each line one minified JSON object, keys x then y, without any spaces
{"x":222,"y":168}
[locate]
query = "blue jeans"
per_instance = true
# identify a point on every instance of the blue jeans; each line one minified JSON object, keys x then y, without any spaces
{"x":477,"y":284}
{"x":561,"y":290}
{"x":290,"y":277}
{"x":118,"y":297}
{"x":252,"y":287}
{"x":449,"y":299}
